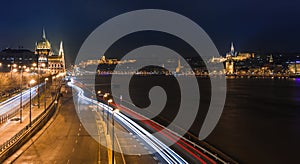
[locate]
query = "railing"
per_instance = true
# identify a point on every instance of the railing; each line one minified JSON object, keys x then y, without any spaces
{"x":13,"y":144}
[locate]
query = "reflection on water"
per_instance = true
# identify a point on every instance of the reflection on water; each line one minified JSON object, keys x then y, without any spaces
{"x":260,"y":122}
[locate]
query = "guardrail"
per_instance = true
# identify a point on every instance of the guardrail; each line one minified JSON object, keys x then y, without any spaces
{"x":18,"y":140}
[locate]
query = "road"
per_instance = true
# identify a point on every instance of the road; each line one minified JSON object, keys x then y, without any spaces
{"x":65,"y":140}
{"x":72,"y":138}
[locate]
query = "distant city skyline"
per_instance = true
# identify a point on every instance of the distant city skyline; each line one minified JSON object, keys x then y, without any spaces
{"x":255,"y":26}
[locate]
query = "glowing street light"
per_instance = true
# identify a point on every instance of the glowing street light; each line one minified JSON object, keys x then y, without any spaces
{"x":109,"y":101}
{"x":46,"y":79}
{"x":116,"y":110}
{"x":31,"y":82}
{"x":39,"y":81}
{"x":21,"y":91}
{"x":105,"y":95}
{"x":11,"y":68}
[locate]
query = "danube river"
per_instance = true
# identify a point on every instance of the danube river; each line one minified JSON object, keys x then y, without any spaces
{"x":260,"y":121}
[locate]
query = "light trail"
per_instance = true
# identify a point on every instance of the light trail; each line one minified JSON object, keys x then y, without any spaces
{"x":11,"y":105}
{"x":199,"y":153}
{"x":165,"y":153}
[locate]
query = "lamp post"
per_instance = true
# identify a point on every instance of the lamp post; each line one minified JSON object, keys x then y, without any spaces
{"x":21,"y":91}
{"x":39,"y":81}
{"x":36,"y":66}
{"x":30,"y":85}
{"x":113,"y":135}
{"x":11,"y":70}
{"x":98,"y":95}
{"x":53,"y":86}
{"x":21,"y":94}
{"x":109,"y":101}
{"x":46,"y":79}
{"x":104,"y":96}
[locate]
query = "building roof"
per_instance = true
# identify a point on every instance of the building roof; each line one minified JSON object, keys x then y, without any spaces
{"x":43,"y":44}
{"x":9,"y":50}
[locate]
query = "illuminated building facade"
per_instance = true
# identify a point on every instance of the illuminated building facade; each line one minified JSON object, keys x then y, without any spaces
{"x":20,"y":57}
{"x":55,"y":63}
{"x":229,"y":67}
{"x":294,"y":68}
{"x":104,"y":61}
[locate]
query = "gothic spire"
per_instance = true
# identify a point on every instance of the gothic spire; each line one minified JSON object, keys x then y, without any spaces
{"x":44,"y":33}
{"x":61,"y":49}
{"x":232,"y":47}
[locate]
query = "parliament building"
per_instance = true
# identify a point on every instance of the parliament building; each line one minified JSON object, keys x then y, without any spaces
{"x":55,"y":63}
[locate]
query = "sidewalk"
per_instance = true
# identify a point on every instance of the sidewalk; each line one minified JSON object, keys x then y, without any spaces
{"x":11,"y":128}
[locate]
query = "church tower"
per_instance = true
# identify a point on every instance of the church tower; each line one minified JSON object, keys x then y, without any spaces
{"x":232,"y":52}
{"x":61,"y":54}
{"x":178,"y":68}
{"x":43,"y":50}
{"x":53,"y":63}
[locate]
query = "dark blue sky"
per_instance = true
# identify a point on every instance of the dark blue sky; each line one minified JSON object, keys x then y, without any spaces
{"x":253,"y":25}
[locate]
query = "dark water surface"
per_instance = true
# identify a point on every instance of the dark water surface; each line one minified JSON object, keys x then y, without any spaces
{"x":260,"y":121}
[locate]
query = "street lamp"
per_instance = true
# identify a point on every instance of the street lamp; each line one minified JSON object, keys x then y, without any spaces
{"x":107,"y":118}
{"x":98,"y":95}
{"x":104,"y":96}
{"x":113,"y":135}
{"x":53,"y":86}
{"x":21,"y":91}
{"x":39,"y":81}
{"x":36,"y":67}
{"x":11,"y":68}
{"x":46,"y":79}
{"x":30,"y":85}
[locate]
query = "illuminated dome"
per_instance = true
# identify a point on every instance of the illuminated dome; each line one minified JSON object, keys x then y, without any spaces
{"x":43,"y":44}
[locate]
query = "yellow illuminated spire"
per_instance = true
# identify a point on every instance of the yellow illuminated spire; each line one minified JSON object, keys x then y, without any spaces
{"x":44,"y":34}
{"x":232,"y":47}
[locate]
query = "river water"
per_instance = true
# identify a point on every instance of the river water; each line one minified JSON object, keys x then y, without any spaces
{"x":260,"y":122}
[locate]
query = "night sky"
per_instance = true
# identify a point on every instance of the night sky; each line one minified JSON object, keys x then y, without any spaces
{"x":259,"y":26}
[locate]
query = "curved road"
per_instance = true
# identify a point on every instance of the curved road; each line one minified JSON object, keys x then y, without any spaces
{"x":66,"y":141}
